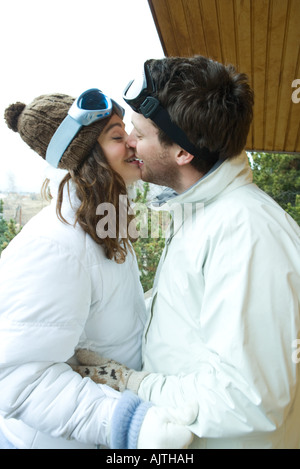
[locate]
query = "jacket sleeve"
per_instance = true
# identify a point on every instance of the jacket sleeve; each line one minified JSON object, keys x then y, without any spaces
{"x":45,"y":296}
{"x":240,"y":339}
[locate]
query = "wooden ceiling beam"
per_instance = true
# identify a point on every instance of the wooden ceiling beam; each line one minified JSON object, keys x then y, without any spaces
{"x":261,"y":38}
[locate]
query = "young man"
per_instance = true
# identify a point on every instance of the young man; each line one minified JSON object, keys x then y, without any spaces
{"x":224,"y":322}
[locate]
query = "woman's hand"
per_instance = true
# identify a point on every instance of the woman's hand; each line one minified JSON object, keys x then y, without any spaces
{"x":105,"y":371}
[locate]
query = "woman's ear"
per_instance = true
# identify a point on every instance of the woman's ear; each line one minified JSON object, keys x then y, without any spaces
{"x":183,"y":157}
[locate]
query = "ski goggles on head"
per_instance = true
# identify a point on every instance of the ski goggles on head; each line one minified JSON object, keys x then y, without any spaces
{"x":138,"y":94}
{"x":92,"y":105}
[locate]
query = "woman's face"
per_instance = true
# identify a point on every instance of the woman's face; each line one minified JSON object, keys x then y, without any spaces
{"x":113,"y":141}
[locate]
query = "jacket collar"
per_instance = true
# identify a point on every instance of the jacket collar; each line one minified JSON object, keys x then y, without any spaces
{"x":223,"y":178}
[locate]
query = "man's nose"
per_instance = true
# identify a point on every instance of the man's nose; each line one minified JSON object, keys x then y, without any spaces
{"x":131,"y":140}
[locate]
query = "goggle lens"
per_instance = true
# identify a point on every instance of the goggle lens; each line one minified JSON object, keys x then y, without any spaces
{"x":93,"y":100}
{"x":135,"y":87}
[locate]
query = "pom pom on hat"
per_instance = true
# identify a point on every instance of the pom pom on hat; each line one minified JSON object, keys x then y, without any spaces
{"x":12,"y":114}
{"x":37,"y":122}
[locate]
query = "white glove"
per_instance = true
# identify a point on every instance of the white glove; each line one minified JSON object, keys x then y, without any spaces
{"x":165,"y":427}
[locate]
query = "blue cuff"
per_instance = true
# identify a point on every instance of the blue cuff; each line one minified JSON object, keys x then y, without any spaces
{"x":4,"y":443}
{"x":127,"y":420}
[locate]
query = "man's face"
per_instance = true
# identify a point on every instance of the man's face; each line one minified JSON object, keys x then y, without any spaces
{"x":159,"y":165}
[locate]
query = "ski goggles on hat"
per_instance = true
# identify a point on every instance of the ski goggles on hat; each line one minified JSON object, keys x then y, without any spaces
{"x":91,"y":106}
{"x":138,"y":94}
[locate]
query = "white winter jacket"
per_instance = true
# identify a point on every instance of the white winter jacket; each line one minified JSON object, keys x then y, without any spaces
{"x":224,"y":316}
{"x":58,"y":292}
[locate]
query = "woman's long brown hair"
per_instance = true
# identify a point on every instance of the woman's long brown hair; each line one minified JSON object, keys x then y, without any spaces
{"x":96,"y":182}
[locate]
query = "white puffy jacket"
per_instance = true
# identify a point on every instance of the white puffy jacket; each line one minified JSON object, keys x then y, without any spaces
{"x":224,"y":317}
{"x":58,"y":292}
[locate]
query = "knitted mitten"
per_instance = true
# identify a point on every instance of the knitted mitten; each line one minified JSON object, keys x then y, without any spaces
{"x":105,"y":371}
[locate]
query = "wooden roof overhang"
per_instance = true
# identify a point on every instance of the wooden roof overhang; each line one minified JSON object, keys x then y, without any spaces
{"x":261,"y":38}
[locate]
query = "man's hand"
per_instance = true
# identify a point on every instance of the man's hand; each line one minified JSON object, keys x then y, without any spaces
{"x":166,"y":427}
{"x":139,"y":424}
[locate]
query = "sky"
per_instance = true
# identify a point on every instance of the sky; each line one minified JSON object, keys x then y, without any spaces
{"x":66,"y":46}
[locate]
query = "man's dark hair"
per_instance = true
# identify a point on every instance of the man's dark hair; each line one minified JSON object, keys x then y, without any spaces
{"x":212,"y":103}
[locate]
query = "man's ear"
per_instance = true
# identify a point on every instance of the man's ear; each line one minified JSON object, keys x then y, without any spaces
{"x":183,"y":157}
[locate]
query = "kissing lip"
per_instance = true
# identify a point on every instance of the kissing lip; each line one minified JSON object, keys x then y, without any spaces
{"x":134,"y":160}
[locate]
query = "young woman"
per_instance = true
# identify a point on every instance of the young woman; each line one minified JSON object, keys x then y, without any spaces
{"x":66,"y":283}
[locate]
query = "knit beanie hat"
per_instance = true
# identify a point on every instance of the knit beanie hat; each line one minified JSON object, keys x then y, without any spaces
{"x":37,"y":122}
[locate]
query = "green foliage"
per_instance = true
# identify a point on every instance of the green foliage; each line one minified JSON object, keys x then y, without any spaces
{"x":279,"y":176}
{"x":8,"y":230}
{"x":148,"y":250}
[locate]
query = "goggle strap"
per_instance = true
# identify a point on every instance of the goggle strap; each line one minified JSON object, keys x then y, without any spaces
{"x":150,"y":106}
{"x":61,"y":139}
{"x":162,"y":119}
